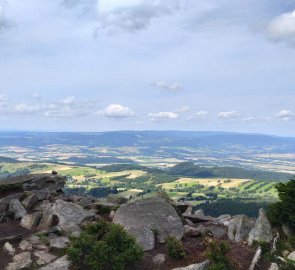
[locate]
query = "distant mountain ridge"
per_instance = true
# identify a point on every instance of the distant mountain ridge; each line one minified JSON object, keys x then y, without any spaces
{"x":147,"y":138}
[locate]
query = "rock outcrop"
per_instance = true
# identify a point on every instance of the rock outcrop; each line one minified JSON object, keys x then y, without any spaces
{"x":239,"y":228}
{"x":149,"y":217}
{"x":198,"y":266}
{"x":262,"y":231}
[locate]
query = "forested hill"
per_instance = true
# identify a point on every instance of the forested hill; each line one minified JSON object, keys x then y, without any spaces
{"x":148,"y":138}
{"x":192,"y":170}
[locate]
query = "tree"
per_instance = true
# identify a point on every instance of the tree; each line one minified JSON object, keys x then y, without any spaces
{"x":283,"y":212}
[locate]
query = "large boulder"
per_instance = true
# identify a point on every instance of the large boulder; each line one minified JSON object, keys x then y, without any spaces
{"x":198,"y":266}
{"x":273,"y":266}
{"x":149,"y":217}
{"x":69,"y":215}
{"x":239,"y":228}
{"x":17,"y":209}
{"x":20,"y":261}
{"x":30,"y":201}
{"x":31,"y":221}
{"x":291,"y":256}
{"x":60,"y":264}
{"x":198,"y":218}
{"x":262,"y":231}
{"x":30,"y":182}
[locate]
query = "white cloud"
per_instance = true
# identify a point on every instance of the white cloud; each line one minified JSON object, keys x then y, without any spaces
{"x":24,"y":108}
{"x":200,"y":115}
{"x":282,"y":28}
{"x":68,"y":100}
{"x":3,"y":98}
{"x":183,"y":109}
{"x":227,"y":115}
{"x":117,"y":16}
{"x":286,"y":115}
{"x":248,"y":119}
{"x":175,"y":86}
{"x":117,"y":111}
{"x":4,"y":21}
{"x":163,"y":116}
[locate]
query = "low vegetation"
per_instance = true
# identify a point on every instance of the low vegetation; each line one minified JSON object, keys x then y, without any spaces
{"x":104,"y":246}
{"x":175,"y":247}
{"x":216,"y":253}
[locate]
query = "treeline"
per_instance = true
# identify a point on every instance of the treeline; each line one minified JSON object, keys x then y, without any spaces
{"x":233,"y":207}
{"x":192,"y":170}
{"x":98,"y":192}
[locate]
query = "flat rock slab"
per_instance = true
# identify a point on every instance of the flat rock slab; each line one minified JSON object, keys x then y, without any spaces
{"x":198,"y":218}
{"x":145,"y":218}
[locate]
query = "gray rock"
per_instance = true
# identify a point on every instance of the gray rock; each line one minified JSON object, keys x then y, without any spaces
{"x":9,"y":248}
{"x":112,"y":214}
{"x":17,"y":209}
{"x":42,"y":194}
{"x":20,"y":261}
{"x":181,"y":206}
{"x":60,"y":264}
{"x":47,"y":216}
{"x":291,"y":256}
{"x":198,"y":218}
{"x":199,"y":212}
{"x":239,"y":228}
{"x":189,"y":210}
{"x":30,"y":201}
{"x":25,"y":245}
{"x":222,"y":217}
{"x":218,"y":232}
{"x":202,"y":229}
{"x":44,"y":257}
{"x":6,"y":200}
{"x":34,"y":239}
{"x":59,"y":242}
{"x":189,"y":222}
{"x":159,"y":259}
{"x":262,"y":231}
{"x":31,"y":221}
{"x":190,"y":231}
{"x":69,"y":215}
{"x":274,"y":266}
{"x":198,"y":266}
{"x":143,"y":217}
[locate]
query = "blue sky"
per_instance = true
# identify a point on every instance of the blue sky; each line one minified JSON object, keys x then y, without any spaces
{"x":94,"y":65}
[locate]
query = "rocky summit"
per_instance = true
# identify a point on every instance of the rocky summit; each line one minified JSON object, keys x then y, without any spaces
{"x":37,"y":221}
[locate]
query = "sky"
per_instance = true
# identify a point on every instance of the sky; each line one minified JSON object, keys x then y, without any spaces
{"x":98,"y":65}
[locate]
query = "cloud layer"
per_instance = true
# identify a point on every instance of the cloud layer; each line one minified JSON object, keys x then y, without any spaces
{"x":117,"y":16}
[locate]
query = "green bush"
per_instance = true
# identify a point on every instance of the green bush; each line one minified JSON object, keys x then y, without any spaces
{"x":288,"y":265}
{"x":283,"y":212}
{"x":216,"y":253}
{"x":175,"y":247}
{"x":103,"y":246}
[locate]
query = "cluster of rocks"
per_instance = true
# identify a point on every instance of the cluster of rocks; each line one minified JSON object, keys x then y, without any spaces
{"x":51,"y":217}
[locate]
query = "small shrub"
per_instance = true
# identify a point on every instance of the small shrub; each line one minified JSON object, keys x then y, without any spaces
{"x":288,"y":265}
{"x":175,"y":247}
{"x":216,"y":253}
{"x":104,"y":246}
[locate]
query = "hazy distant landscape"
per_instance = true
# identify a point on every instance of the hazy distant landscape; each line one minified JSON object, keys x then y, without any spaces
{"x":203,"y":168}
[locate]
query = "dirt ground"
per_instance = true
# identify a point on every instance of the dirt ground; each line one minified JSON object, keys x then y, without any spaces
{"x":240,"y":255}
